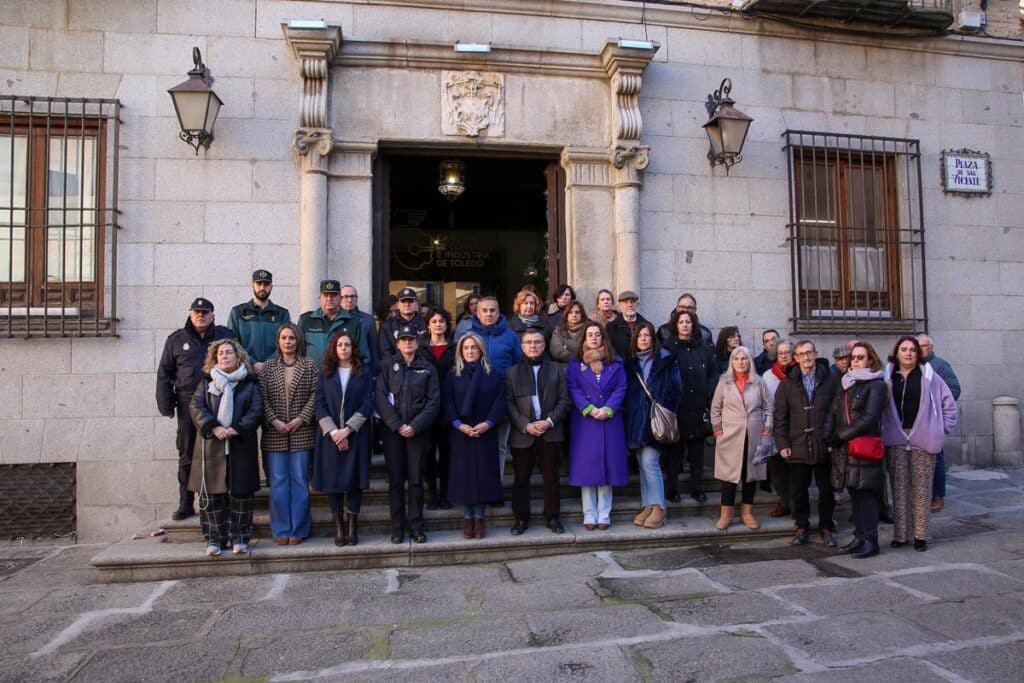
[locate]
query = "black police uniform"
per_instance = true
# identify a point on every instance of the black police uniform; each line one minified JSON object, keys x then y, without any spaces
{"x":180,"y":370}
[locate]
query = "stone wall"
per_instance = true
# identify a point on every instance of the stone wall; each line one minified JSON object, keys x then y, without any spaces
{"x":198,"y":225}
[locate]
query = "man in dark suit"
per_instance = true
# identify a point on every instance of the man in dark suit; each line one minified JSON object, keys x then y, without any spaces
{"x":538,"y":406}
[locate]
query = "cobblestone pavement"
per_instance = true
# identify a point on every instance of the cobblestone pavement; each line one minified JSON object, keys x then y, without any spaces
{"x":758,"y":610}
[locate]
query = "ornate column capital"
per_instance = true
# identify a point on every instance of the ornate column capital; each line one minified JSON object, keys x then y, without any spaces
{"x":312,"y":148}
{"x":314,"y":49}
{"x":628,"y":161}
{"x":624,"y":67}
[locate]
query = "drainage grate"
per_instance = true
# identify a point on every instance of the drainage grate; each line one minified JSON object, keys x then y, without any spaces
{"x":37,"y":500}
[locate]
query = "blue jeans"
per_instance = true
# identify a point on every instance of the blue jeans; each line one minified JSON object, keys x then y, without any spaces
{"x":939,"y":478}
{"x":474,"y":510}
{"x":597,"y":504}
{"x":289,"y":494}
{"x":652,"y":483}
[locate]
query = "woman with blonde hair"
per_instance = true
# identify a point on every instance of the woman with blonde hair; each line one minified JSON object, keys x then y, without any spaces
{"x":526,"y":313}
{"x":227,"y":410}
{"x":740,"y":416}
{"x":473,"y":401}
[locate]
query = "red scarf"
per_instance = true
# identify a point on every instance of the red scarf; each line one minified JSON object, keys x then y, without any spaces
{"x":780,"y":371}
{"x":741,"y":381}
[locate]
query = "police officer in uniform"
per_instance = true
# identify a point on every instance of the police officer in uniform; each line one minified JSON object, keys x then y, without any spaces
{"x":408,"y":398}
{"x":180,"y":370}
{"x":408,"y":316}
{"x":320,"y":325}
{"x":255,"y":322}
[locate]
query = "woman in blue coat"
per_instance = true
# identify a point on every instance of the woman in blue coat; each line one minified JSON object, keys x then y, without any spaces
{"x":660,"y":373}
{"x":341,"y":460}
{"x":473,"y":401}
{"x":597,"y":443}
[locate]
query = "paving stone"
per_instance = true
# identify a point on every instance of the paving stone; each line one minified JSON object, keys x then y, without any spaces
{"x":307,"y":651}
{"x":15,"y":602}
{"x":202,"y":660}
{"x":889,"y":560}
{"x":996,"y":663}
{"x":344,"y":584}
{"x":581,"y":566}
{"x":899,"y":669}
{"x":1014,"y":568}
{"x":514,"y":598}
{"x":714,"y":657}
{"x":431,"y":580}
{"x":764,"y":574}
{"x":154,"y":627}
{"x":398,"y":608}
{"x":987,"y":547}
{"x":215,"y":592}
{"x":55,"y":667}
{"x":28,"y":632}
{"x":725,"y":609}
{"x":658,"y":587}
{"x":665,"y":558}
{"x":272,"y":616}
{"x":960,"y":583}
{"x":427,"y":672}
{"x":454,"y":640}
{"x":573,"y":626}
{"x":592,"y":665}
{"x":850,"y":596}
{"x":993,"y":615}
{"x":875,"y":634}
{"x":88,"y":598}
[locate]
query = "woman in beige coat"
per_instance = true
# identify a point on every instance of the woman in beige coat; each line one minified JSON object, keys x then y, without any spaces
{"x":740,"y":415}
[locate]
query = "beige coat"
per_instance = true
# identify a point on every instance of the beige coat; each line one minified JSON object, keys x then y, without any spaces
{"x":736,"y":417}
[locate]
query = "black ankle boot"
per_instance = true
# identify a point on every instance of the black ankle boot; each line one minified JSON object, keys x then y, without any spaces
{"x":853,"y":546}
{"x":340,"y":534}
{"x":186,"y":501}
{"x":353,"y":528}
{"x":869,"y":549}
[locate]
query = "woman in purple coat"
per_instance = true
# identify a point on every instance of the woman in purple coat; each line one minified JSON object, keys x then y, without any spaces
{"x":473,"y":400}
{"x":597,"y":445}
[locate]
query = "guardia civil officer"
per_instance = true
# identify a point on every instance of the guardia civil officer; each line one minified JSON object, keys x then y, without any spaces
{"x":320,"y":325}
{"x":407,"y":396}
{"x":408,"y":316}
{"x":180,"y":370}
{"x":255,"y":322}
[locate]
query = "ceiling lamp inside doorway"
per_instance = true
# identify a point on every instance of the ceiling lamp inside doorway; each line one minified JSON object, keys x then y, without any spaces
{"x":452,"y":180}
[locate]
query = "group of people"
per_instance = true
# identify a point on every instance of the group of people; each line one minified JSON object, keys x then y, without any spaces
{"x":451,"y":400}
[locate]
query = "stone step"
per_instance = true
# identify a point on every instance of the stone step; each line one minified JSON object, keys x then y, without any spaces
{"x":147,"y":559}
{"x":376,"y":518}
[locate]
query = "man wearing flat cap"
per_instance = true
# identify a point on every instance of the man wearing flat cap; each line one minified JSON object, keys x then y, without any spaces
{"x":180,"y":369}
{"x":620,"y":331}
{"x":320,"y":325}
{"x":408,"y":316}
{"x":256,"y":321}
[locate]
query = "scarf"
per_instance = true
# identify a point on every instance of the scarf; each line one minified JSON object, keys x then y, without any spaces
{"x":644,"y":361}
{"x":530,"y":320}
{"x":472,"y":373}
{"x":860,"y":375}
{"x":741,"y":381}
{"x":593,"y":358}
{"x":779,"y":371}
{"x":223,"y":384}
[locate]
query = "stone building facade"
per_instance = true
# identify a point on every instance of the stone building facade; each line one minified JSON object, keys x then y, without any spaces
{"x":291,"y":181}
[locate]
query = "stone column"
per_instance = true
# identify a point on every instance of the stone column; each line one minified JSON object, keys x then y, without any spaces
{"x":313,"y":148}
{"x":350,"y":222}
{"x":1007,"y":451}
{"x":590,"y":247}
{"x":314,"y":49}
{"x":627,"y":156}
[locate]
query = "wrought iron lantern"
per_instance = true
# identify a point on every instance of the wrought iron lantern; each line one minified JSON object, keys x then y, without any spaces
{"x":452,"y":181}
{"x":726,"y":128}
{"x":196,"y":105}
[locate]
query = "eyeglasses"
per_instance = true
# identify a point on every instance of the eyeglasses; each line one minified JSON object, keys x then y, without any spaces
{"x":859,"y":356}
{"x":805,"y":354}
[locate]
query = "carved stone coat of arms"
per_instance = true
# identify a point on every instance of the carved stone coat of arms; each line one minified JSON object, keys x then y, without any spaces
{"x":473,"y":103}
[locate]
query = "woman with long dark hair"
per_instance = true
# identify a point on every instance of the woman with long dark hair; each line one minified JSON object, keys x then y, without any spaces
{"x":441,"y":352}
{"x":728,"y":339}
{"x":568,"y":336}
{"x":562,"y":296}
{"x":288,"y":384}
{"x":341,"y":461}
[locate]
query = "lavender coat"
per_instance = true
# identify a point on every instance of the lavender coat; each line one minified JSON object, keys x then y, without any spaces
{"x":936,"y":417}
{"x":597,"y":449}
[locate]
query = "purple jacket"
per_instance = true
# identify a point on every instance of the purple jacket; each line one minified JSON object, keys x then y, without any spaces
{"x":597,"y":449}
{"x":936,"y":417}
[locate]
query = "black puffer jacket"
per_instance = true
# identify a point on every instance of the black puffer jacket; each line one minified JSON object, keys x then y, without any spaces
{"x":800,"y":421}
{"x":699,"y":376}
{"x":866,"y":402}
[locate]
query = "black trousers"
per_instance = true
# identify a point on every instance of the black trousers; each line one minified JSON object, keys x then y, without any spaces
{"x":799,"y":482}
{"x":438,"y":460}
{"x":549,"y":457}
{"x":186,"y":441}
{"x":404,"y":459}
{"x":749,"y":487}
{"x":692,"y":450}
{"x":865,"y":515}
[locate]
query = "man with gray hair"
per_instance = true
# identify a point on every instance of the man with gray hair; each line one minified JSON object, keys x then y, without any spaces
{"x":945,"y":371}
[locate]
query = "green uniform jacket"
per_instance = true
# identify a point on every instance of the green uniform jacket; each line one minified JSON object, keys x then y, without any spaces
{"x":318,"y":330}
{"x":257,"y":328}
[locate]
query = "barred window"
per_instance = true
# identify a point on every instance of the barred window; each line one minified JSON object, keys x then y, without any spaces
{"x":856,"y":233}
{"x":58,"y":216}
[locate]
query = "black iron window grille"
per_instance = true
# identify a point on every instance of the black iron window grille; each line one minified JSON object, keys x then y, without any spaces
{"x":58,"y":216}
{"x":856,"y":233}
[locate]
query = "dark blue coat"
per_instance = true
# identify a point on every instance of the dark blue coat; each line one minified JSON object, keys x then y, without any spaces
{"x":664,"y":383}
{"x":337,"y":471}
{"x":472,"y":398}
